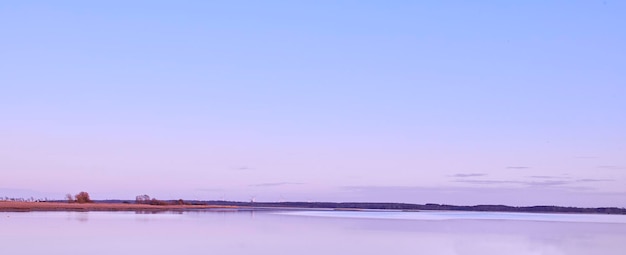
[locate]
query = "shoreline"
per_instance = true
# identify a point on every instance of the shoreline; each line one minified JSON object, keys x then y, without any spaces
{"x":18,"y":206}
{"x":11,"y":206}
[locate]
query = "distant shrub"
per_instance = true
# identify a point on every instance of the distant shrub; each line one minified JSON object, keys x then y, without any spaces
{"x":83,"y":197}
{"x":142,"y":199}
{"x":69,"y":198}
{"x":155,"y":201}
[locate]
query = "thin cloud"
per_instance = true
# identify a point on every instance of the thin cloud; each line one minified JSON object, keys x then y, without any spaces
{"x":524,"y":183}
{"x":488,"y":181}
{"x":595,"y":180}
{"x":209,"y":189}
{"x":486,"y":194}
{"x":547,"y":181}
{"x":242,"y":168}
{"x":580,"y":188}
{"x":612,"y":167}
{"x":547,"y":177}
{"x":275,"y":184}
{"x":468,"y":175}
{"x":585,"y":157}
{"x":518,"y":167}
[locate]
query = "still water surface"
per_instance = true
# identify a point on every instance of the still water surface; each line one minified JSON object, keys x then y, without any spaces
{"x":310,"y":232}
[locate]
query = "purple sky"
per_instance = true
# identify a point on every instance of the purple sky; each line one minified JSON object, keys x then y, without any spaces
{"x":456,"y":102}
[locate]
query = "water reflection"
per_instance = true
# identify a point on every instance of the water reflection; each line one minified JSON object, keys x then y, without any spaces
{"x":157,"y":212}
{"x":82,"y":217}
{"x":264,"y":232}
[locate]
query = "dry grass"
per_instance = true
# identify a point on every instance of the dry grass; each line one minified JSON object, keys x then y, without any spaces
{"x":10,"y":206}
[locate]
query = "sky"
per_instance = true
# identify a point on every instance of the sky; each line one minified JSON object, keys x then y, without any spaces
{"x":457,"y":102}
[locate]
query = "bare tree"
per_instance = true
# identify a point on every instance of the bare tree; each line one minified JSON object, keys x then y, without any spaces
{"x":142,"y":199}
{"x":69,"y":198}
{"x":83,"y":197}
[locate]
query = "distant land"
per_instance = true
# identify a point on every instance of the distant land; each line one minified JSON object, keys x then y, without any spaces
{"x":439,"y":207}
{"x":130,"y":205}
{"x":18,"y":206}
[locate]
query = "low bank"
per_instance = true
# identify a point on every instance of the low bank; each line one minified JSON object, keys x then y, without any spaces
{"x":10,"y":206}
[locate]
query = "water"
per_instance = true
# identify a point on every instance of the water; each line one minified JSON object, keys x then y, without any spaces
{"x":455,"y":215}
{"x":310,"y":232}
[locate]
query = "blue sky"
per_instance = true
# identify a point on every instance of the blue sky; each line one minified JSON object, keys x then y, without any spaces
{"x":448,"y":101}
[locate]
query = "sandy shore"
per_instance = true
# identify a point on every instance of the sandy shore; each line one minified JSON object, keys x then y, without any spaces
{"x":9,"y":206}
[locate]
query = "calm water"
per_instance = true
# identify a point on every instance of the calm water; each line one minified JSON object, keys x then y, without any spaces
{"x":310,"y":232}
